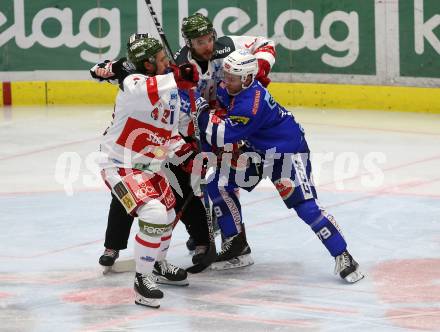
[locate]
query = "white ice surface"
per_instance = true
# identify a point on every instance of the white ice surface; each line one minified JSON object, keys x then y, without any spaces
{"x":50,"y":241}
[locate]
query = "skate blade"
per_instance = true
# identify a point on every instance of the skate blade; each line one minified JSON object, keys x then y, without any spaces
{"x":354,"y":277}
{"x":234,"y":263}
{"x":121,"y":266}
{"x":140,"y":300}
{"x":165,"y":281}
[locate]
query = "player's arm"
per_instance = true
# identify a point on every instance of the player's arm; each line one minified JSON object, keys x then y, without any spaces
{"x":111,"y":71}
{"x":243,"y":120}
{"x":263,"y":49}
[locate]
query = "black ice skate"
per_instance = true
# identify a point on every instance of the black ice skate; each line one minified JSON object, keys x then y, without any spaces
{"x":347,"y":268}
{"x":235,"y":253}
{"x":191,"y":245}
{"x":146,"y":291}
{"x":166,"y":273}
{"x":199,"y":254}
{"x":108,"y":259}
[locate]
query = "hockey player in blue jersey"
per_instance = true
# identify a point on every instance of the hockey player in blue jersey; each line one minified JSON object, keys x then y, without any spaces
{"x":277,"y":145}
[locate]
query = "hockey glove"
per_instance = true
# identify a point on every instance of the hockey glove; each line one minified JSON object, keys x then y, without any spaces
{"x":263,"y":71}
{"x":186,"y":75}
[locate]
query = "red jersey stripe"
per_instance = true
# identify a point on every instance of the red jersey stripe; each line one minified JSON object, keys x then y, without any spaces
{"x":152,"y":90}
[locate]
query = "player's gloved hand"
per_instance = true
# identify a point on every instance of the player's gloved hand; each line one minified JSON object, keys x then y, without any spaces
{"x":104,"y":69}
{"x":190,"y":150}
{"x":186,"y":75}
{"x":263,"y":72}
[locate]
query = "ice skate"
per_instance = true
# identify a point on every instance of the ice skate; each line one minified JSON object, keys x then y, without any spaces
{"x":199,"y":253}
{"x":191,"y":245}
{"x":166,"y":273}
{"x":146,"y":291}
{"x":107,"y":260}
{"x":347,"y":268}
{"x":235,"y":253}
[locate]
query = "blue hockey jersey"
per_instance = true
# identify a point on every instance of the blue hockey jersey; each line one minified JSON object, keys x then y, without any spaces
{"x":255,"y":117}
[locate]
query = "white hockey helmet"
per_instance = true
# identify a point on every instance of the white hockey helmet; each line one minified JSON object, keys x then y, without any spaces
{"x":241,"y":63}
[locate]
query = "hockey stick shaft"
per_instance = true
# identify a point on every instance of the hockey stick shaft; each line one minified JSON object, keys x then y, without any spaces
{"x":211,"y":254}
{"x":160,"y":31}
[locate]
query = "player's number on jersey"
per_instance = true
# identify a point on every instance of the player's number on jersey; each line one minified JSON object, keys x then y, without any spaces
{"x":218,"y":211}
{"x":167,"y":117}
{"x":324,"y":233}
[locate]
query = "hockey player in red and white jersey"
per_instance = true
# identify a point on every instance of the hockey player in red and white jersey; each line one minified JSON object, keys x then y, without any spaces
{"x":143,"y":134}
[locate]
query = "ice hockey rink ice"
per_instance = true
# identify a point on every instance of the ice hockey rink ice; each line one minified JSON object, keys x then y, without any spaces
{"x":51,"y":240}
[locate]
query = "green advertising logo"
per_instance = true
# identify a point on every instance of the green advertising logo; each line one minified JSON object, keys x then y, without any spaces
{"x":38,"y":35}
{"x":419,"y":38}
{"x":312,"y":36}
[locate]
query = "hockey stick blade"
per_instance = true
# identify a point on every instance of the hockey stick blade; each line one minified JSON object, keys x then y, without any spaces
{"x":121,"y":266}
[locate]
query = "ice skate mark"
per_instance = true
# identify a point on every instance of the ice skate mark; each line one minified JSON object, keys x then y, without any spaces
{"x":47,"y":278}
{"x":114,"y":323}
{"x":213,"y":315}
{"x":51,"y":252}
{"x":284,"y":305}
{"x":230,"y":296}
{"x":4,"y":295}
{"x":245,"y":287}
{"x":387,"y":130}
{"x":54,"y":147}
{"x":104,"y":296}
{"x":425,"y":319}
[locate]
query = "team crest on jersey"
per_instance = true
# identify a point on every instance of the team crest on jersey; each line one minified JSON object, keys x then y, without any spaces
{"x":285,"y":187}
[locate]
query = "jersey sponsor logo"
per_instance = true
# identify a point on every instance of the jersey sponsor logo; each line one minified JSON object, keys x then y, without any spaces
{"x":239,"y":119}
{"x":224,"y":50}
{"x":235,"y":212}
{"x":147,"y":259}
{"x":285,"y":187}
{"x":142,"y":137}
{"x":250,"y":44}
{"x":301,"y":178}
{"x":256,"y":102}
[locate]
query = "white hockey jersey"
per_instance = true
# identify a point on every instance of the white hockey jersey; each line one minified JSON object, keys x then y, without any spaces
{"x":261,"y":47}
{"x":144,"y":130}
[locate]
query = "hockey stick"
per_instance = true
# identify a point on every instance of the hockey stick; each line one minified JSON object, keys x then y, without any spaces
{"x":159,"y":29}
{"x":211,"y":254}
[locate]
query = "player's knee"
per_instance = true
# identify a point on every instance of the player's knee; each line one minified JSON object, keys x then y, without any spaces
{"x":154,"y":219}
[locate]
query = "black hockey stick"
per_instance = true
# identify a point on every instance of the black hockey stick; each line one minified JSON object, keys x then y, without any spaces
{"x":159,"y":29}
{"x":211,"y":254}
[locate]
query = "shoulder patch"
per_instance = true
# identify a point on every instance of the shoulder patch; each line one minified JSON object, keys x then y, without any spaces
{"x":239,"y":119}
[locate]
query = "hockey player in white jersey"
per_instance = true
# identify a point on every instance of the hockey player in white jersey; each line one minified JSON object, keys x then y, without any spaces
{"x":206,"y":51}
{"x":188,"y":206}
{"x":143,"y":134}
